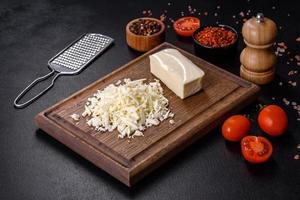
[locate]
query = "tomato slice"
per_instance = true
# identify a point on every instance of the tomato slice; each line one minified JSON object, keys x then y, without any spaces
{"x":186,"y":26}
{"x":256,"y":149}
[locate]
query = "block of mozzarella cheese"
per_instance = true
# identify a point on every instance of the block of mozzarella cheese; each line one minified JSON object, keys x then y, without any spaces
{"x":177,"y":72}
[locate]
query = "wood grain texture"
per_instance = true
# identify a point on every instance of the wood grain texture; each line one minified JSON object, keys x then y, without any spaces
{"x":258,"y":60}
{"x":260,"y":78}
{"x":129,"y":161}
{"x":259,"y":35}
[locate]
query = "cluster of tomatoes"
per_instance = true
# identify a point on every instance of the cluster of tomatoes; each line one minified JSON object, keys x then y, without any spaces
{"x":256,"y":149}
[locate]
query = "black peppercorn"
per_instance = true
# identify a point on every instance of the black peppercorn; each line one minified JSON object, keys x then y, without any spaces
{"x":145,"y":27}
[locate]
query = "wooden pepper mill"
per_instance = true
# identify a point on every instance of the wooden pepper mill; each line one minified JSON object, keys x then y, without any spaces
{"x":258,"y":58}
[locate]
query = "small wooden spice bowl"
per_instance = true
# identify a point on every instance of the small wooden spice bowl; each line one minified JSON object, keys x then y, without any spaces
{"x":208,"y":51}
{"x":145,"y":43}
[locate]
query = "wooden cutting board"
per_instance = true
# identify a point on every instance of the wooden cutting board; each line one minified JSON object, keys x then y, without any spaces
{"x":223,"y":93}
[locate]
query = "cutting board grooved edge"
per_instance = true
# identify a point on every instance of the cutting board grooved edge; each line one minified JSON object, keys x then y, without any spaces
{"x":39,"y":124}
{"x":125,"y":163}
{"x":123,"y":174}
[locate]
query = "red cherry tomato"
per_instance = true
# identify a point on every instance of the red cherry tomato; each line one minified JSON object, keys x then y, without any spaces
{"x":235,"y":128}
{"x":256,"y":149}
{"x":273,"y":120}
{"x":186,"y":26}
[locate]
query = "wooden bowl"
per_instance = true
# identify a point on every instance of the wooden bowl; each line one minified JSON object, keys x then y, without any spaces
{"x":145,"y":43}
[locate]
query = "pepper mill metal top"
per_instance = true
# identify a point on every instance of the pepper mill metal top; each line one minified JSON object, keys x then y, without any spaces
{"x":260,"y":17}
{"x":259,"y":31}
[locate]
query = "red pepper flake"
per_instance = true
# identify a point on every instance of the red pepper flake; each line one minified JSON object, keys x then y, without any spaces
{"x":162,"y":17}
{"x":293,"y":83}
{"x":281,"y":50}
{"x":191,"y":10}
{"x":216,"y":37}
{"x":296,"y":157}
{"x":292,"y":72}
{"x":205,"y":13}
{"x":282,"y":44}
{"x":147,"y":13}
{"x":298,"y":39}
{"x":287,"y":102}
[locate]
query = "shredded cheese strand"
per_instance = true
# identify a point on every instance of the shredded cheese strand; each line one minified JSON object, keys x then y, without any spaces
{"x":130,"y":107}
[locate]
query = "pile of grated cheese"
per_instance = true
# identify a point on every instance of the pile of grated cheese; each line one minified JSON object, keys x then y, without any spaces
{"x":130,"y":107}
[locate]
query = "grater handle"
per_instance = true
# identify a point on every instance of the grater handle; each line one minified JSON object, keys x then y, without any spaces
{"x":31,"y":85}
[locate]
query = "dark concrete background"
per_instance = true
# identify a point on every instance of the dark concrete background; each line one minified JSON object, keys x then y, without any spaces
{"x":35,"y":166}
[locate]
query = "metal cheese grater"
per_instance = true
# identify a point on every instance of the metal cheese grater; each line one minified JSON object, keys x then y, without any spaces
{"x":69,"y":61}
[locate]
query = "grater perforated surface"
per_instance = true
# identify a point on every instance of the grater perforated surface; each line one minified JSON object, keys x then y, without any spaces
{"x":77,"y":55}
